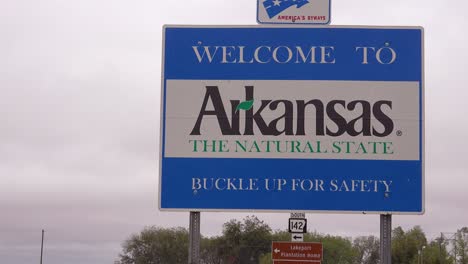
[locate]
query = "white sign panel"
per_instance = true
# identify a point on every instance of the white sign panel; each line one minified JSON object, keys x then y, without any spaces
{"x":297,"y":237}
{"x":293,"y":11}
{"x":307,"y":106}
{"x":297,"y":225}
{"x":297,"y":215}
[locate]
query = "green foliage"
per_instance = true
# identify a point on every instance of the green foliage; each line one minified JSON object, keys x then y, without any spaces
{"x":256,"y":239}
{"x":338,"y":250}
{"x":436,"y":253}
{"x":265,"y":258}
{"x":411,"y":247}
{"x":210,"y":251}
{"x":406,"y":245}
{"x":461,"y":245}
{"x":279,"y":235}
{"x":249,"y":242}
{"x":368,"y":249}
{"x":230,"y":244}
{"x":245,"y":242}
{"x":156,"y":245}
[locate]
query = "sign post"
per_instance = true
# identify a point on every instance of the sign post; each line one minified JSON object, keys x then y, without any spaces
{"x":386,"y":238}
{"x":42,"y":245}
{"x":194,"y":238}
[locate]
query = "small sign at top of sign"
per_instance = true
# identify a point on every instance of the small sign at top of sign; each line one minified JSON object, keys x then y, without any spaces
{"x":293,"y":11}
{"x":298,"y":215}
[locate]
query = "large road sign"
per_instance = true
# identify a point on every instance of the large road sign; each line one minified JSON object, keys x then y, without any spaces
{"x":292,"y":119}
{"x":296,"y":251}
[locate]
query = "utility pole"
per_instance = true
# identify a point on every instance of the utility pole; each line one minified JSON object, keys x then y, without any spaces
{"x":451,"y":237}
{"x":42,"y":245}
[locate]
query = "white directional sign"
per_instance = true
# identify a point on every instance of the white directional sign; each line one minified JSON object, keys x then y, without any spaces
{"x":297,"y":225}
{"x":297,"y":237}
{"x":293,"y":11}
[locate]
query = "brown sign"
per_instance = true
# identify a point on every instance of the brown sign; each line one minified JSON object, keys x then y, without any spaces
{"x":299,"y":252}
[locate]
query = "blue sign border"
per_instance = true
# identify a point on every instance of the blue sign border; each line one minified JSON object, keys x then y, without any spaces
{"x":251,"y":202}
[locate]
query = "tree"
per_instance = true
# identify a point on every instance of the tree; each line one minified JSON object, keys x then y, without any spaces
{"x":256,"y":239}
{"x":210,"y":252}
{"x":367,"y":248}
{"x":398,"y":246}
{"x":245,"y":242}
{"x":249,"y":242}
{"x":230,"y":243}
{"x":461,"y":245}
{"x":436,"y":253}
{"x":156,"y":245}
{"x":337,"y":250}
{"x":282,"y":235}
{"x":407,"y":245}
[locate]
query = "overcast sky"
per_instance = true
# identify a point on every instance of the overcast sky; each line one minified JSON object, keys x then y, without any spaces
{"x":79,"y":113}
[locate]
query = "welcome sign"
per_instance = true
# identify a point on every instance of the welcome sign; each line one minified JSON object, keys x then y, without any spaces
{"x":306,"y":119}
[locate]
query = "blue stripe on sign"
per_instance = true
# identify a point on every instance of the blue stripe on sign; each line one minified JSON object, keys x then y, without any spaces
{"x":182,"y":63}
{"x":405,"y":189}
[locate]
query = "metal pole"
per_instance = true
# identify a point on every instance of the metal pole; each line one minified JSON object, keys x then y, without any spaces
{"x":386,"y":239}
{"x":42,"y":244}
{"x":194,"y":238}
{"x":422,"y":255}
{"x":440,"y":246}
{"x":455,"y":247}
